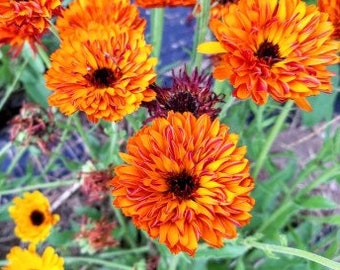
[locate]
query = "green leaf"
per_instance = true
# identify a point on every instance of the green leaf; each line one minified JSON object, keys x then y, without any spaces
{"x":228,"y":251}
{"x":323,"y":108}
{"x":4,"y":215}
{"x":331,"y":220}
{"x":317,"y":202}
{"x":91,"y":212}
{"x":311,"y":2}
{"x":332,"y":250}
{"x":34,"y":85}
{"x":6,"y":70}
{"x":59,"y":239}
{"x":32,"y":78}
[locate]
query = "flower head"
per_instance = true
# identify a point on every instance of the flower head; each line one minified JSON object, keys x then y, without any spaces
{"x":34,"y":125}
{"x":219,"y":7}
{"x":274,"y":48}
{"x":22,"y":21}
{"x":27,"y":259}
{"x":165,"y":3}
{"x":184,"y":180}
{"x":99,"y":236}
{"x":32,"y":217}
{"x":95,"y":183}
{"x":189,"y":93}
{"x":332,"y":7}
{"x":104,"y":72}
{"x":81,"y":13}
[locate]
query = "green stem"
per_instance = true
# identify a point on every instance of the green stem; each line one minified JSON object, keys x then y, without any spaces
{"x":223,"y":87}
{"x":125,"y":252}
{"x":15,"y":160}
{"x":271,"y":138}
{"x":200,"y":32}
{"x":11,"y":88}
{"x":174,"y":262}
{"x":37,"y":186}
{"x":84,"y":136}
{"x":57,"y":150}
{"x":109,"y":265}
{"x":44,"y":57}
{"x":5,"y":148}
{"x":285,"y":207}
{"x":3,"y":151}
{"x":54,"y":30}
{"x":114,"y":146}
{"x":157,"y":22}
{"x":329,"y":174}
{"x":123,"y":227}
{"x":295,"y":252}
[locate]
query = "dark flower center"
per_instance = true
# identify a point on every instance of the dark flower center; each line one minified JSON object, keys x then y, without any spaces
{"x":182,"y":185}
{"x":182,"y":102}
{"x":269,"y":53}
{"x":37,"y":217}
{"x":101,"y":78}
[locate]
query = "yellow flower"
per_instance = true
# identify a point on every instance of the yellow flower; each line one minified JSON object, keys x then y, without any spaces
{"x":274,"y":48}
{"x":32,"y":217}
{"x":184,"y":180}
{"x":28,"y":259}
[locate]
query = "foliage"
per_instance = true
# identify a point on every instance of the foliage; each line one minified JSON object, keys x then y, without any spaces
{"x":295,"y":161}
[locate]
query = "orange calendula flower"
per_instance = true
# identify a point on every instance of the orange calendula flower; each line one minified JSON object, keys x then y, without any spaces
{"x":332,"y":7}
{"x":274,"y":48}
{"x":24,"y":259}
{"x":184,"y":180}
{"x":165,"y":3}
{"x":104,"y":72}
{"x":219,"y":7}
{"x":32,"y":217}
{"x":22,"y":21}
{"x":81,"y":12}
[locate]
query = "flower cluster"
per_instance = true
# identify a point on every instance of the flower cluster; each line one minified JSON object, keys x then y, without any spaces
{"x":103,"y":66}
{"x":33,"y":221}
{"x":184,"y":178}
{"x":22,"y":21}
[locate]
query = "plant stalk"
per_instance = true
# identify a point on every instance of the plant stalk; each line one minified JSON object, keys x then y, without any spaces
{"x":274,"y":132}
{"x":295,"y":252}
{"x":157,"y":22}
